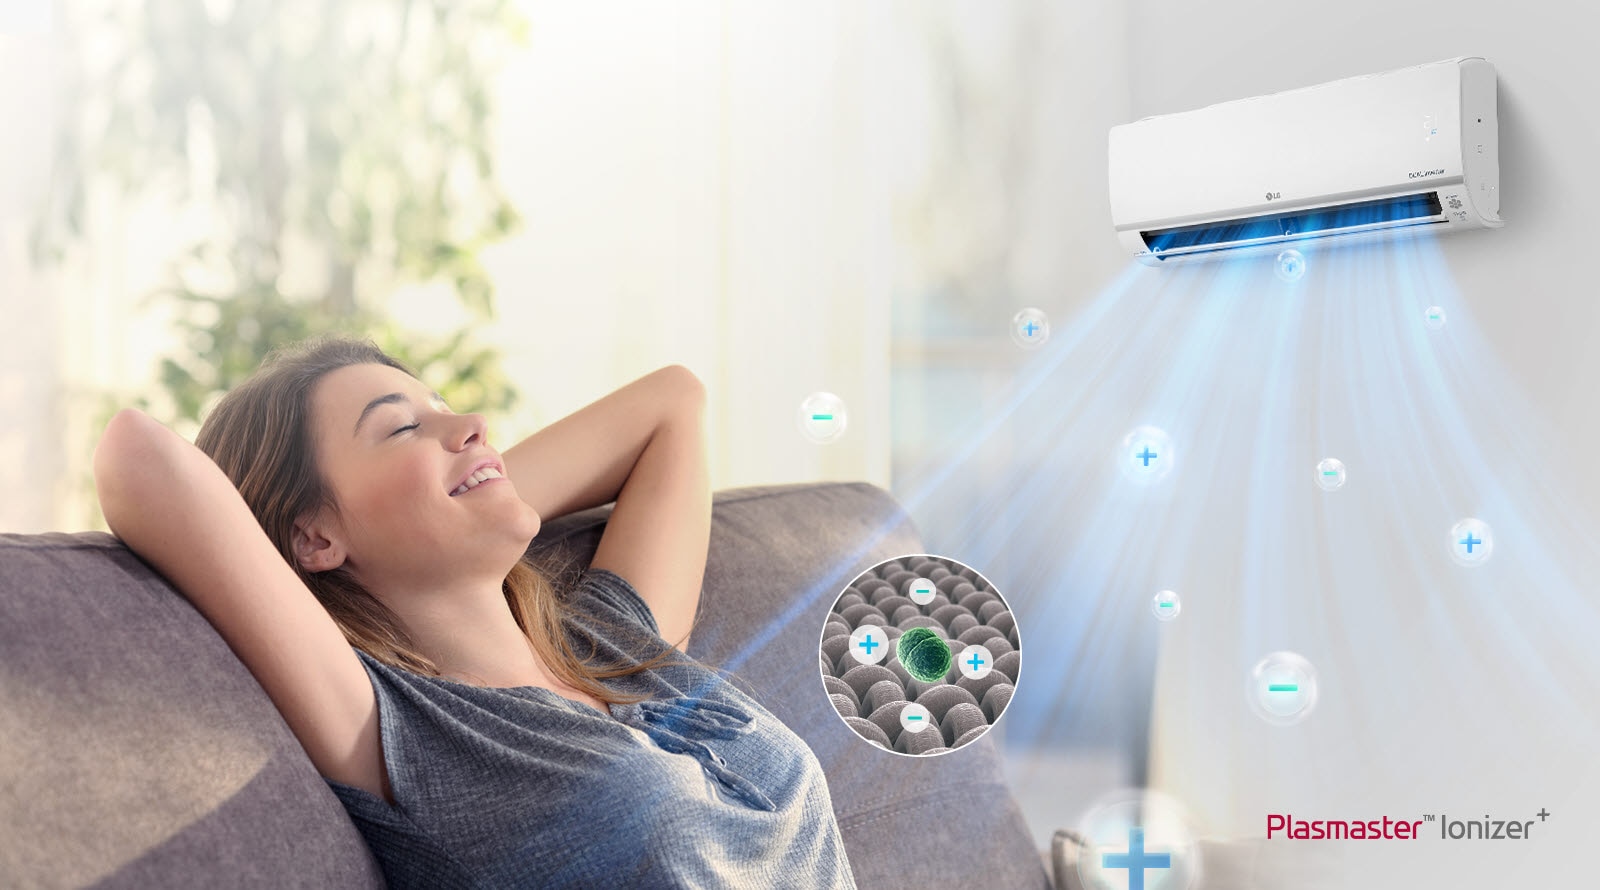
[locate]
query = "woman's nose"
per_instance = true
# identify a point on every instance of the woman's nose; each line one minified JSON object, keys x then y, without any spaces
{"x":476,"y":426}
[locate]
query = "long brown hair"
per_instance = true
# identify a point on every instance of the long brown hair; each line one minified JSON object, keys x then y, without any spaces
{"x":260,"y":435}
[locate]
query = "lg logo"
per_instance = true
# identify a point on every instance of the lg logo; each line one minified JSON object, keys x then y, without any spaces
{"x":1273,"y":196}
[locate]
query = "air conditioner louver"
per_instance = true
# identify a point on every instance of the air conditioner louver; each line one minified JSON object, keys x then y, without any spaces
{"x":1405,"y":210}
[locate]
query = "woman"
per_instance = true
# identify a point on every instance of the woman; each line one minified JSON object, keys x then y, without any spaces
{"x":361,"y":548}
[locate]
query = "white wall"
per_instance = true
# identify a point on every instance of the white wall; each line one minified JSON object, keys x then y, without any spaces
{"x":1442,"y":691}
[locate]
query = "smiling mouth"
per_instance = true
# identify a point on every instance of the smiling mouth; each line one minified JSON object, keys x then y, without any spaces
{"x":469,"y":486}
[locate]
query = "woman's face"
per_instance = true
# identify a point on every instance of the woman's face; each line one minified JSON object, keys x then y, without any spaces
{"x":393,"y":452}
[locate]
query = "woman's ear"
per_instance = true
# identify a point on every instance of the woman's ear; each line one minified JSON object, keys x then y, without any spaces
{"x":313,"y":550}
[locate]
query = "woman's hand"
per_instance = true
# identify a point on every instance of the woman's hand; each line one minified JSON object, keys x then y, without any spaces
{"x":643,"y":446}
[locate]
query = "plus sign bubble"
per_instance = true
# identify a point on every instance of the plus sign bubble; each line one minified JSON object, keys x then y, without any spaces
{"x":1030,"y":328}
{"x":1330,"y":474}
{"x":1137,"y":838}
{"x":1471,"y":542}
{"x":1291,"y":265}
{"x":869,"y":644}
{"x":1433,"y":317}
{"x":975,"y":661}
{"x":1147,"y":454}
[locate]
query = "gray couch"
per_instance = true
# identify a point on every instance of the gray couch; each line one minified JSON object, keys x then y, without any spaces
{"x":137,"y":751}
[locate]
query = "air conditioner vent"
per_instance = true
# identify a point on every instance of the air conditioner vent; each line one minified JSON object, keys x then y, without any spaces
{"x":1354,"y":216}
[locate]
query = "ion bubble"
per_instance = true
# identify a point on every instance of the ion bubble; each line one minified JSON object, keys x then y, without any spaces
{"x":921,"y":591}
{"x":1153,"y":822}
{"x":869,"y":644}
{"x":821,"y":417}
{"x":915,"y":718}
{"x":1030,"y":328}
{"x":1283,"y":688}
{"x":1291,"y":265}
{"x":975,"y":661}
{"x":1147,"y":454}
{"x":1471,"y":542}
{"x":1330,"y":474}
{"x":1433,"y":317}
{"x":1166,"y":605}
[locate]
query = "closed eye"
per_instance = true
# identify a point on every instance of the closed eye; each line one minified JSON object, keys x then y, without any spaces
{"x":403,"y":429}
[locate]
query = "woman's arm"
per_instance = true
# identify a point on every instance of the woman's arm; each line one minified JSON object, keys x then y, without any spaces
{"x":643,"y":446}
{"x":174,"y":507}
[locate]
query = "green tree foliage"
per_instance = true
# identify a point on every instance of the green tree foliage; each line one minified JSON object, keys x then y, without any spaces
{"x":324,"y":153}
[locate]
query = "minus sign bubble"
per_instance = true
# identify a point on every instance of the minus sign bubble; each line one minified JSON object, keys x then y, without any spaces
{"x":915,"y":718}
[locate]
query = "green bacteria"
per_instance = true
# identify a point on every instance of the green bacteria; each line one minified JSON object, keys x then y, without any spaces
{"x":923,"y":654}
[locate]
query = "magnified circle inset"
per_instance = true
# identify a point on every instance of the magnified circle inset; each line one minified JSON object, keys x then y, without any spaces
{"x":920,"y":655}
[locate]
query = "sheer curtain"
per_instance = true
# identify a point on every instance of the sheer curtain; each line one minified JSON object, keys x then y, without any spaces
{"x":704,"y":183}
{"x":33,"y":455}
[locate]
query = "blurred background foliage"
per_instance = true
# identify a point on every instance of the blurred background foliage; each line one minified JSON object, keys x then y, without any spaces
{"x":322,"y":154}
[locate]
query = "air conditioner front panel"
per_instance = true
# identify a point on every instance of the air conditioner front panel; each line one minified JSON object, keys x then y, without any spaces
{"x":1375,"y":135}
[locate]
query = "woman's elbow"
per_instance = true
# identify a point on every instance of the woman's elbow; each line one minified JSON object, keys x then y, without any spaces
{"x":135,"y":452}
{"x":120,"y":436}
{"x":690,"y":389}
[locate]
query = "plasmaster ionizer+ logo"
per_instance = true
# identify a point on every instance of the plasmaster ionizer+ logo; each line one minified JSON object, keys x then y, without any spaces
{"x":1287,"y":827}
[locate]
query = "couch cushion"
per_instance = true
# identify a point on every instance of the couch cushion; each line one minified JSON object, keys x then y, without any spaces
{"x":138,"y":750}
{"x":779,"y":557}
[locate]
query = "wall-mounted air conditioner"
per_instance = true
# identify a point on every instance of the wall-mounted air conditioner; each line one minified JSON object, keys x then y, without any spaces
{"x":1364,"y":158}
